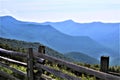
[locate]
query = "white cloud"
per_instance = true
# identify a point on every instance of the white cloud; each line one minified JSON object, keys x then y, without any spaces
{"x":5,"y":12}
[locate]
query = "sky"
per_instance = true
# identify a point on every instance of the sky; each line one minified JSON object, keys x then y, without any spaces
{"x":60,"y":10}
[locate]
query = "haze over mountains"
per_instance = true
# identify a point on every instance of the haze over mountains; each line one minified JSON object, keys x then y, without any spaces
{"x":105,"y":33}
{"x":91,"y":39}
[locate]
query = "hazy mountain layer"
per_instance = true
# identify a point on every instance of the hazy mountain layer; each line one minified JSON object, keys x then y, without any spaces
{"x":80,"y":57}
{"x":49,"y":36}
{"x":105,"y":33}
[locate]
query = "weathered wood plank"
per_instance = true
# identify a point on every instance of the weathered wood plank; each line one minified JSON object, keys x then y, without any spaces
{"x":13,"y":69}
{"x":12,"y":54}
{"x":47,"y":77}
{"x":30,"y":64}
{"x":80,"y":69}
{"x":13,"y":61}
{"x":8,"y":76}
{"x":57,"y":72}
{"x":114,"y":73}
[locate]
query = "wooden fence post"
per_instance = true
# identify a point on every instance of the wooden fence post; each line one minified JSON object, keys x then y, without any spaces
{"x":104,"y":63}
{"x":30,"y":64}
{"x":41,"y":49}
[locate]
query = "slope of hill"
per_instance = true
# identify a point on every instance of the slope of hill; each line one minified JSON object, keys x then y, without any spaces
{"x":16,"y":44}
{"x":80,"y":57}
{"x":47,"y":35}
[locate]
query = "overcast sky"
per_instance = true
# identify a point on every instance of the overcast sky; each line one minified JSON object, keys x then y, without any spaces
{"x":60,"y":10}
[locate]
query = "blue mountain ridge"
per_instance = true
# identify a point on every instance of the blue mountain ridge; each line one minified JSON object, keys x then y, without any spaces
{"x":51,"y":37}
{"x":105,"y":33}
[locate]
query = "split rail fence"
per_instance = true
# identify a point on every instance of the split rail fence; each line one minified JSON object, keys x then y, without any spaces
{"x":35,"y":66}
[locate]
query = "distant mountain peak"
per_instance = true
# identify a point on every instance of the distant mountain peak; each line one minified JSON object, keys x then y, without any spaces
{"x":70,"y":20}
{"x":8,"y":17}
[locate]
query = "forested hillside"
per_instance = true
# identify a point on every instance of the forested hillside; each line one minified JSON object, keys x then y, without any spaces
{"x":22,"y":46}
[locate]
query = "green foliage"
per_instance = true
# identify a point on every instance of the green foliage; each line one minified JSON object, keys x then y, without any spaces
{"x":21,"y":68}
{"x":5,"y":70}
{"x":9,"y":47}
{"x":92,"y":66}
{"x":114,"y":69}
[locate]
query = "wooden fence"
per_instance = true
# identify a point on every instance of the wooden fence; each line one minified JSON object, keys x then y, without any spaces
{"x":36,"y":61}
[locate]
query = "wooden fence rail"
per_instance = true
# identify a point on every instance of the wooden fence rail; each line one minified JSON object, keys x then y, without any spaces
{"x":32,"y":59}
{"x":8,"y":76}
{"x":80,"y":69}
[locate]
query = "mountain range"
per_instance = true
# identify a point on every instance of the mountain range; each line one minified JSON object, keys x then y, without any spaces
{"x":48,"y":34}
{"x":105,"y":33}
